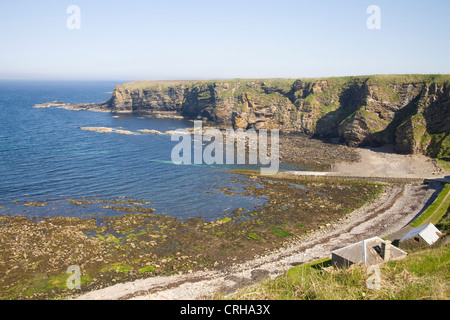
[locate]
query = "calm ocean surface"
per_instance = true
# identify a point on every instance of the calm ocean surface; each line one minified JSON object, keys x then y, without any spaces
{"x":46,"y":157}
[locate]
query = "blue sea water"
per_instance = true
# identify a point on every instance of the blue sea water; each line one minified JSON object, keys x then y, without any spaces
{"x":46,"y":157}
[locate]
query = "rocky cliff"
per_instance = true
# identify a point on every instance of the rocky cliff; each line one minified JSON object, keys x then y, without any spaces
{"x":412,"y":112}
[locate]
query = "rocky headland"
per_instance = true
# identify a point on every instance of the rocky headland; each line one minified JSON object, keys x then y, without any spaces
{"x":410,"y":112}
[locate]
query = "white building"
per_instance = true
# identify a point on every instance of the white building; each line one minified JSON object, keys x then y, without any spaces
{"x":426,"y":234}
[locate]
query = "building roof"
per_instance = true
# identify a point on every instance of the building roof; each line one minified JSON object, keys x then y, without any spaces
{"x":427,"y":232}
{"x":355,"y":252}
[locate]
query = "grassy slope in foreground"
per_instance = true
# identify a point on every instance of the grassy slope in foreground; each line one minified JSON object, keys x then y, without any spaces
{"x":422,"y":275}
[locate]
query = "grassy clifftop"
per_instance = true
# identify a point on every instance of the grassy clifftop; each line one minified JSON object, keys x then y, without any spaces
{"x":287,"y":83}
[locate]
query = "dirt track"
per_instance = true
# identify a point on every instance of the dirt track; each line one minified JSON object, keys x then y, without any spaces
{"x":395,"y":208}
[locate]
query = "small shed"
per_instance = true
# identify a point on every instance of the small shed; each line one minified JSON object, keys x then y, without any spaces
{"x":369,"y":252}
{"x":423,"y":235}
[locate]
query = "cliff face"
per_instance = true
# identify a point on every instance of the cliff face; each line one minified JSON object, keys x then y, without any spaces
{"x":410,"y":111}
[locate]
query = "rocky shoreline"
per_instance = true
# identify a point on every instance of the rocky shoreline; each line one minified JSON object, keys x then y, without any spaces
{"x":409,"y":112}
{"x":398,"y":204}
{"x":307,"y":152}
{"x":298,"y":150}
{"x":140,"y":244}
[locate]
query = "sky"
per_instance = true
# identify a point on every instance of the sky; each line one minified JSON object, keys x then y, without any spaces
{"x":198,"y":39}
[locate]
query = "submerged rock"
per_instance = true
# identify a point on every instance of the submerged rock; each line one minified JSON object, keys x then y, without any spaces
{"x":49,"y":104}
{"x":98,"y":129}
{"x":108,"y":130}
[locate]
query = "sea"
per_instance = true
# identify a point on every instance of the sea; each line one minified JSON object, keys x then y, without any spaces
{"x":45,"y":158}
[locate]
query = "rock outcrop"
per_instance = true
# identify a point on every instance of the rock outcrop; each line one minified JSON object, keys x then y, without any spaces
{"x":412,"y":112}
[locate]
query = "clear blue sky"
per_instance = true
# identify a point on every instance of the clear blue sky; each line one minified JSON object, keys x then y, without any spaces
{"x":208,"y":39}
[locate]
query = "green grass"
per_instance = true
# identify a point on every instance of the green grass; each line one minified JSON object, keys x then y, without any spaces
{"x":442,"y":141}
{"x":285,"y":84}
{"x":436,"y":210}
{"x":444,"y":224}
{"x":402,"y":78}
{"x":444,"y":164}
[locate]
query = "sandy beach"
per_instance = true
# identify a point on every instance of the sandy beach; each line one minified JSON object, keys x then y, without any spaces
{"x":383,"y":162}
